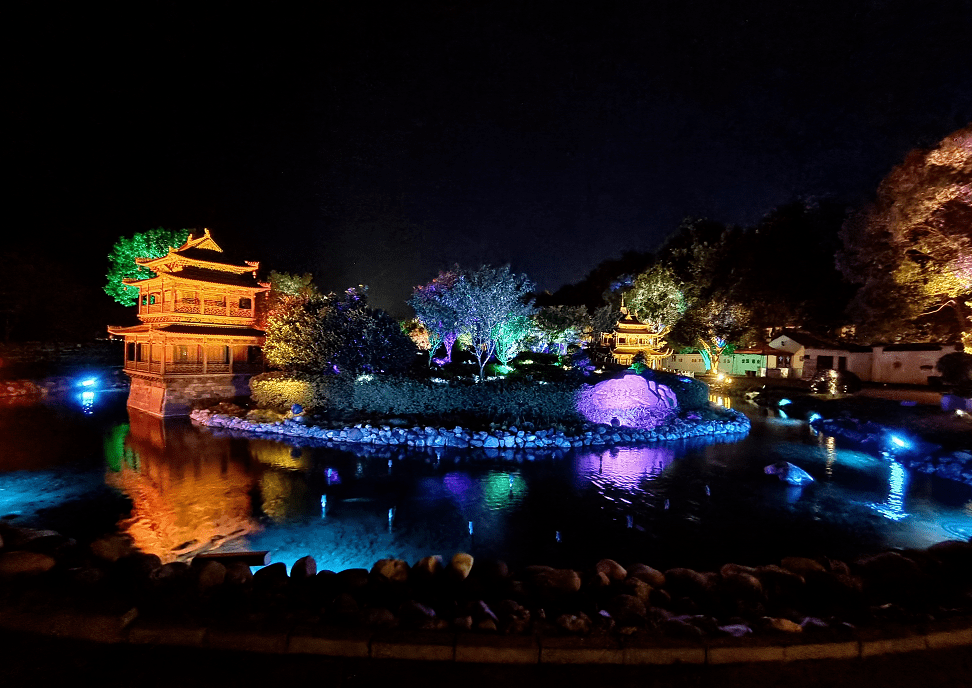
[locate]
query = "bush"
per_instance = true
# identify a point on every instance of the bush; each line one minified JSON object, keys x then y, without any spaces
{"x":501,"y":401}
{"x":956,"y":370}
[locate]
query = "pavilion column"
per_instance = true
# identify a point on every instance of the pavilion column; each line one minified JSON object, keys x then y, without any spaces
{"x":205,"y":355}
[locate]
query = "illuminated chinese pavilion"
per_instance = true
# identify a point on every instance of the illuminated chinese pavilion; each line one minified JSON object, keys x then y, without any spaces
{"x":198,"y":339}
{"x":632,"y":336}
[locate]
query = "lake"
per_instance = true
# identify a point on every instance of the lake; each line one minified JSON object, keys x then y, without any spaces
{"x":86,"y":465}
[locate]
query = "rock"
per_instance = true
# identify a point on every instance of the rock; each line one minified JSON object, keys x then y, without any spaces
{"x":21,"y":538}
{"x":575,"y":623}
{"x":514,"y":618}
{"x":392,"y":570}
{"x":598,"y":582}
{"x":461,"y":565}
{"x":113,"y":547}
{"x":681,"y":582}
{"x":22,"y":563}
{"x":480,"y":610}
{"x":956,"y":557}
{"x":211,"y":575}
{"x":736,"y":630}
{"x":612,"y":569}
{"x":238,"y":575}
{"x":303,"y":568}
{"x":801,"y":565}
{"x":272,"y":577}
{"x":889,"y":576}
{"x":463,"y":623}
{"x":627,"y":610}
{"x":345,"y":607}
{"x":414,"y":613}
{"x":171,"y":576}
{"x":781,"y":625}
{"x":486,"y":626}
{"x":352,"y":580}
{"x":378,"y":617}
{"x":548,"y":580}
{"x":652,"y":577}
{"x":675,"y":628}
{"x":427,"y":567}
{"x":729,"y":569}
{"x":638,"y":588}
{"x":788,"y":473}
{"x":780,"y":585}
{"x":743,"y":587}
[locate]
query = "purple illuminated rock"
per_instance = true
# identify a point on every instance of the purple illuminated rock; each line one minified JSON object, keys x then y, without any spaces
{"x":634,"y":401}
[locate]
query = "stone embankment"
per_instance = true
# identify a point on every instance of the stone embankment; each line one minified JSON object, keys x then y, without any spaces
{"x":801,"y":608}
{"x":505,"y":438}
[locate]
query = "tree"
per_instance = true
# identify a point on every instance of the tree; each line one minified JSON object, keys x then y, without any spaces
{"x":560,"y":326}
{"x":656,"y":297}
{"x":511,"y":338}
{"x":439,"y":318}
{"x":311,"y":333}
{"x":153,"y":243}
{"x":911,"y":249}
{"x":485,"y":300}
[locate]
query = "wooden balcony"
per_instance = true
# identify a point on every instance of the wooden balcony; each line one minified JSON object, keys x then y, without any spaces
{"x":210,"y":368}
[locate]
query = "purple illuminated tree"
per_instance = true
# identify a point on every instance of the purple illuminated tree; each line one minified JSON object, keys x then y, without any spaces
{"x":485,"y":301}
{"x":439,"y":318}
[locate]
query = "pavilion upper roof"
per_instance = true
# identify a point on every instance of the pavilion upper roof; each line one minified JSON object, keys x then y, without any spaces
{"x":193,"y":273}
{"x":198,"y":252}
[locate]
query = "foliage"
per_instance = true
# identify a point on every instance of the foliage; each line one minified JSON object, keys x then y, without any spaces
{"x":311,"y":333}
{"x":153,"y":243}
{"x":511,"y":401}
{"x":911,"y":249}
{"x":956,"y":370}
{"x":558,"y":327}
{"x":485,"y":300}
{"x":439,"y":318}
{"x":511,"y":338}
{"x":656,"y":297}
{"x":280,"y":390}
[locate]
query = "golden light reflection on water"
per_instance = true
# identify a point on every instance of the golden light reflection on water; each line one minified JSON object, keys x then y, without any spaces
{"x":187,"y":492}
{"x":721,"y":400}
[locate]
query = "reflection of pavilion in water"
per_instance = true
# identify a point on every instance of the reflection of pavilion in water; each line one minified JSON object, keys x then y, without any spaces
{"x":188,"y":494}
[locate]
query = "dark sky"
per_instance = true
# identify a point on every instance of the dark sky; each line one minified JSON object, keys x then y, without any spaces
{"x":379,"y":142}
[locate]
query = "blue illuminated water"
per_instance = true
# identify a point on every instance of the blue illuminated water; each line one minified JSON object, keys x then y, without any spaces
{"x":86,"y":466}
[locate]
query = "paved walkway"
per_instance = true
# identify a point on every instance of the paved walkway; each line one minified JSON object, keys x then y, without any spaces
{"x":32,"y":660}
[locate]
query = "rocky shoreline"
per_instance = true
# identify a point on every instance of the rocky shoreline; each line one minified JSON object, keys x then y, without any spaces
{"x":819,"y":598}
{"x":874,"y":438}
{"x":693,"y":425}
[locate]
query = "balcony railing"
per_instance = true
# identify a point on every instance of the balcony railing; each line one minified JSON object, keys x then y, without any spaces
{"x":183,"y":368}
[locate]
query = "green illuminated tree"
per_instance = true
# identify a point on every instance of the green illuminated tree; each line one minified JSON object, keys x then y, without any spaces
{"x":121,"y":261}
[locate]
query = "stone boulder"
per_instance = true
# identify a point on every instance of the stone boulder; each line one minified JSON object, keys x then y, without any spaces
{"x":391,"y":570}
{"x":633,"y":400}
{"x":303,"y":569}
{"x":461,"y":566}
{"x":628,"y":610}
{"x":209,"y":577}
{"x":612,"y":569}
{"x":652,"y":577}
{"x":113,"y":547}
{"x":22,"y":563}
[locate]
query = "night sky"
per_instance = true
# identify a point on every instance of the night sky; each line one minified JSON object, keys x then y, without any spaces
{"x":380,"y":142}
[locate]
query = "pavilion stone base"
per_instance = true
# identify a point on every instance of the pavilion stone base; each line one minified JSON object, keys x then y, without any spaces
{"x":175,"y":396}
